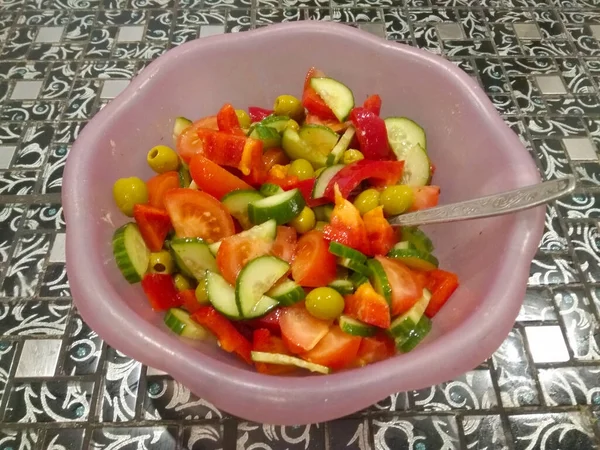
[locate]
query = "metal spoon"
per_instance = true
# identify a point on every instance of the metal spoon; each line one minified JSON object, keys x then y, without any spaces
{"x":492,"y":205}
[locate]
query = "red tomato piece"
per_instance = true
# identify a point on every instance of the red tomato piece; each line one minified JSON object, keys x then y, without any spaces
{"x":154,"y":225}
{"x":197,"y":214}
{"x":368,"y":306}
{"x":313,"y":103}
{"x":425,"y":197}
{"x":313,"y":265}
{"x":228,"y":122}
{"x":285,"y":243}
{"x":374,"y":349}
{"x":159,"y":185}
{"x":270,"y":322}
{"x":257,"y":114}
{"x":235,"y":251}
{"x":230,"y":339}
{"x":442,"y":285}
{"x":213,"y":179}
{"x":380,"y":233}
{"x":381,"y":173}
{"x":334,"y":124}
{"x":300,"y":330}
{"x":346,"y":226}
{"x":336,"y":350}
{"x":160,"y":290}
{"x":189,"y":301}
{"x":405,"y":287}
{"x":373,"y":104}
{"x":188,"y":143}
{"x":371,"y":134}
{"x":225,"y":149}
{"x":264,"y":341}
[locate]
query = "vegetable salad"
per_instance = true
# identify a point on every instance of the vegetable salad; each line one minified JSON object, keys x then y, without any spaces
{"x":267,"y":230}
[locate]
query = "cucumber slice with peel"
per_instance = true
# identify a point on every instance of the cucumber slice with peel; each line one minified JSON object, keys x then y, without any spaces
{"x":415,"y":259}
{"x":342,"y":145}
{"x":222,"y":296}
{"x":269,"y":136}
{"x":344,"y":287}
{"x":287,"y":293}
{"x":336,"y":95}
{"x":407,"y":141}
{"x":130,"y":252}
{"x":278,"y":123}
{"x":319,"y":138}
{"x":379,"y":280}
{"x":356,"y":327}
{"x":237,"y":202}
{"x":323,"y":180}
{"x":418,"y":239}
{"x":193,"y":257}
{"x":269,"y":189}
{"x":344,"y":251}
{"x":181,"y":123}
{"x":282,"y":207}
{"x":418,"y":333}
{"x":357,"y":279}
{"x":296,"y":148}
{"x":182,"y":324}
{"x":402,"y":326}
{"x":286,"y":360}
{"x":266,"y":231}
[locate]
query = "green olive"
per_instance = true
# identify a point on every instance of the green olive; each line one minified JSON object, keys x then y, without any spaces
{"x":162,"y":159}
{"x":182,"y":283}
{"x":367,"y":200}
{"x":324,"y":303}
{"x":351,"y":156}
{"x":302,"y":169}
{"x":243,"y":118}
{"x":161,"y":262}
{"x":292,"y":125}
{"x":305,"y":221}
{"x":202,"y":293}
{"x":128,"y":192}
{"x":288,"y":105}
{"x":320,"y":225}
{"x":396,"y":199}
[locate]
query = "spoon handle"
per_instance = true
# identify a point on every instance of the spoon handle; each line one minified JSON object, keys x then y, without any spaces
{"x":493,"y":205}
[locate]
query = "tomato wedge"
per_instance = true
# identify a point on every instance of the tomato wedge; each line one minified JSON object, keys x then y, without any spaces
{"x":197,"y":214}
{"x":346,"y":225}
{"x":300,"y":330}
{"x":380,"y":233}
{"x":368,"y":306}
{"x":228,"y":122}
{"x":373,"y":349}
{"x":442,"y":285}
{"x":159,"y":185}
{"x":188,"y":143}
{"x":264,"y":341}
{"x":213,"y":179}
{"x":425,"y":197}
{"x":312,"y":101}
{"x":405,"y":288}
{"x":235,"y":251}
{"x":285,"y":243}
{"x":313,"y":265}
{"x":154,"y":225}
{"x":336,"y":350}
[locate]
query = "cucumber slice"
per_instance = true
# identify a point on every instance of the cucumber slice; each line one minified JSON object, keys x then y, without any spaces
{"x":130,"y":252}
{"x":319,"y":138}
{"x":344,"y":287}
{"x":278,"y":123}
{"x":237,"y":202}
{"x":323,"y":180}
{"x":357,"y":279}
{"x":407,"y":140}
{"x":346,"y":252}
{"x":403,"y":245}
{"x":379,"y":280}
{"x":185,"y":179}
{"x":256,"y":278}
{"x":268,"y":135}
{"x":417,"y":335}
{"x":415,"y":259}
{"x":403,"y":326}
{"x":269,"y":189}
{"x":193,"y":257}
{"x":336,"y":95}
{"x":282,"y":207}
{"x":193,"y":185}
{"x":286,"y":360}
{"x":222,"y":296}
{"x":214,"y":247}
{"x":356,"y":327}
{"x":181,"y":123}
{"x":182,"y":324}
{"x":295,"y":148}
{"x":323,"y":212}
{"x":266,"y":231}
{"x":342,"y":145}
{"x":418,"y":239}
{"x":287,"y":293}
{"x":354,"y":266}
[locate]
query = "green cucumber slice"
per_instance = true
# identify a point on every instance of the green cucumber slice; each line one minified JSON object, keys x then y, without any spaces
{"x":222,"y":296}
{"x":323,"y":212}
{"x":418,"y":333}
{"x":130,"y":251}
{"x":415,"y":259}
{"x":269,"y":189}
{"x":214,"y":247}
{"x":403,"y":245}
{"x":237,"y":202}
{"x":266,"y":231}
{"x":323,"y":180}
{"x":344,"y":287}
{"x":181,"y":123}
{"x":356,"y":327}
{"x":346,"y":252}
{"x":379,"y":280}
{"x":256,"y":278}
{"x":336,"y":95}
{"x":193,"y":257}
{"x":403,"y":326}
{"x":268,"y":135}
{"x":282,"y":207}
{"x":295,"y":148}
{"x":182,"y":324}
{"x":405,"y":132}
{"x":319,"y":138}
{"x":342,"y":145}
{"x":185,"y":179}
{"x":287,"y":293}
{"x":407,"y":140}
{"x":286,"y":360}
{"x":354,"y":266}
{"x":418,"y":239}
{"x":357,"y":279}
{"x":278,"y":123}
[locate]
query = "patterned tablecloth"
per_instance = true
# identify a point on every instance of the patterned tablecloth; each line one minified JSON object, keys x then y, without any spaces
{"x":61,"y":387}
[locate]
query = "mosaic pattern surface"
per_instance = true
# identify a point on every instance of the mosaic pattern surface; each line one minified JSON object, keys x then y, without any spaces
{"x":62,"y":388}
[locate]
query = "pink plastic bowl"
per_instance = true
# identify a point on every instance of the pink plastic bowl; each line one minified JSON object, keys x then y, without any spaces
{"x":475,"y":154}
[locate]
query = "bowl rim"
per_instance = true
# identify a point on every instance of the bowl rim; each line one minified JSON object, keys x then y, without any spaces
{"x":332,"y":391}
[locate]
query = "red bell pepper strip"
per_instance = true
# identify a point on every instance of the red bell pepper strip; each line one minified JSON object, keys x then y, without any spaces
{"x":312,"y":101}
{"x":229,"y":338}
{"x":159,"y":185}
{"x":189,"y":301}
{"x":228,"y":122}
{"x":380,"y":234}
{"x":154,"y":225}
{"x":346,"y":226}
{"x":442,"y":285}
{"x":257,"y":114}
{"x":380,"y":172}
{"x":160,"y":290}
{"x":240,"y":152}
{"x":368,"y":306}
{"x":264,"y":341}
{"x":371,"y":134}
{"x":373,"y":104}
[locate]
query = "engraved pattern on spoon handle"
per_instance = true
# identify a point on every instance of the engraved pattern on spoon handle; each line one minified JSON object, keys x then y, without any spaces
{"x":493,"y":205}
